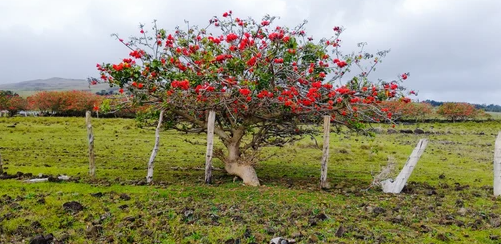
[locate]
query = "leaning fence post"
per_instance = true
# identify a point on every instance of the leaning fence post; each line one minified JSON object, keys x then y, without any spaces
{"x":210,"y":145}
{"x":149,"y":176}
{"x":90,"y":135}
{"x":325,"y":153}
{"x":497,"y":166}
{"x":396,"y":186}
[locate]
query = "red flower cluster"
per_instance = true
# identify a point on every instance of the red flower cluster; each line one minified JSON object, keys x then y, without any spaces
{"x":121,"y":66}
{"x":214,"y":40}
{"x":226,"y":14}
{"x":275,"y":36}
{"x":245,"y":92}
{"x":222,"y":57}
{"x":252,"y":61}
{"x":205,"y":87}
{"x":316,"y":85}
{"x":184,"y":84}
{"x":265,"y":93}
{"x":137,"y":54}
{"x":231,"y":37}
{"x":343,"y":90}
{"x":339,"y":63}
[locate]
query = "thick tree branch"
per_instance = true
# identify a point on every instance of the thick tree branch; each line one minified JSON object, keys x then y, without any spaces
{"x":201,"y":124}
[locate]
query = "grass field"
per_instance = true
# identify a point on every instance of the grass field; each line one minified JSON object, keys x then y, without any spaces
{"x":448,"y":199}
{"x":495,"y":115}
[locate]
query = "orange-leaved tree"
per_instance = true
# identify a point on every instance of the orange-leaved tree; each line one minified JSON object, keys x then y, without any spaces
{"x":408,"y":110}
{"x":12,"y":102}
{"x":64,"y":102}
{"x":458,"y":111}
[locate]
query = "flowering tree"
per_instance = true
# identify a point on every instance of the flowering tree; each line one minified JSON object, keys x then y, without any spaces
{"x":12,"y":102}
{"x":263,"y":81}
{"x":458,"y":111}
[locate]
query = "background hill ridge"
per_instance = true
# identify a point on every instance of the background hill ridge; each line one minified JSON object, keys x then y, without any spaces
{"x":28,"y":87}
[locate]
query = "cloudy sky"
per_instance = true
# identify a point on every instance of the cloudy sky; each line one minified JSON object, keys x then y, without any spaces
{"x":452,"y":48}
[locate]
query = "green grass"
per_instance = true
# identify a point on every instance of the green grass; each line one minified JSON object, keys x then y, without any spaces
{"x":179,"y":208}
{"x":495,"y":115}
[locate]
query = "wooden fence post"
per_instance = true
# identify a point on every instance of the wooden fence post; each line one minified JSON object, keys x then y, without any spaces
{"x":149,"y":176}
{"x":210,"y":146}
{"x":1,"y":164}
{"x":396,"y":186}
{"x":497,"y":166}
{"x":325,"y":153}
{"x":90,"y":135}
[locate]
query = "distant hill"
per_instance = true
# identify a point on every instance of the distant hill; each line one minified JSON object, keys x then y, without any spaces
{"x":26,"y":88}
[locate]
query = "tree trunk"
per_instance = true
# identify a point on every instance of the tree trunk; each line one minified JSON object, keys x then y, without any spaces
{"x":234,"y":164}
{"x":245,"y":171}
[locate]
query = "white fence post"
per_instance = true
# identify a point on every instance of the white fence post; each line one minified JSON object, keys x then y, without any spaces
{"x":90,"y":135}
{"x":325,"y":153}
{"x":210,"y":146}
{"x":497,"y":166}
{"x":149,"y":176}
{"x":396,"y":186}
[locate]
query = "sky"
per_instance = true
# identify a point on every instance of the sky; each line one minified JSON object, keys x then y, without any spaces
{"x":451,"y":48}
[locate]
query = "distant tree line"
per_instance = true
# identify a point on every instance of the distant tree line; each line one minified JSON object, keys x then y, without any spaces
{"x":64,"y":103}
{"x":485,"y":107}
{"x":424,"y":111}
